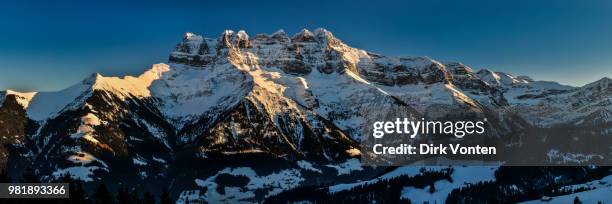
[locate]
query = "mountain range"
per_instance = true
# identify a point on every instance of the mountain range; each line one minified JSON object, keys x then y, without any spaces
{"x":242,"y":118}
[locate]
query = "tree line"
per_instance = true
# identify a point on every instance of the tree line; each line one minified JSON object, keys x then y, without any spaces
{"x":79,"y":195}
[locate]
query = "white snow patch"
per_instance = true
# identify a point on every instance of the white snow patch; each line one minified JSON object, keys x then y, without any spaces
{"x":462,"y":176}
{"x":23,"y":99}
{"x":308,"y":166}
{"x":47,"y":105}
{"x":160,"y":160}
{"x":559,"y":157}
{"x":139,"y":161}
{"x":274,"y":183}
{"x":602,"y":192}
{"x":347,"y":167}
{"x":400,"y":171}
{"x":84,"y":158}
{"x":142,"y":175}
{"x":83,"y":173}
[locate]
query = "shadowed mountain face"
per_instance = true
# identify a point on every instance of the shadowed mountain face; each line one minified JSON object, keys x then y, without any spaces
{"x":298,"y":105}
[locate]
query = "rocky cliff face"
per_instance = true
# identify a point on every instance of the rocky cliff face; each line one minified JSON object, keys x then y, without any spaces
{"x":14,"y":125}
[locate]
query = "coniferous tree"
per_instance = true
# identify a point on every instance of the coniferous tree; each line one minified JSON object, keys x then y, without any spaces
{"x":147,"y":197}
{"x":76,"y":191}
{"x":134,"y":197}
{"x":123,"y":196}
{"x":577,"y":200}
{"x":432,"y":188}
{"x":4,"y":177}
{"x":80,"y":193}
{"x":164,"y":198}
{"x":29,"y":176}
{"x":102,"y":195}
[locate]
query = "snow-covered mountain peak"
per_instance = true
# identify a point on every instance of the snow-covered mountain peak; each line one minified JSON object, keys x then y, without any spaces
{"x":242,"y":35}
{"x":280,"y":36}
{"x":279,"y":32}
{"x":510,"y":79}
{"x":189,"y":36}
{"x":490,"y":77}
{"x":191,"y":40}
{"x":459,"y":68}
{"x":324,"y":34}
{"x":23,"y":98}
{"x":127,"y":86}
{"x":604,"y":83}
{"x":233,"y":40}
{"x":232,"y":35}
{"x":524,"y":78}
{"x":303,"y":36}
{"x":227,"y":33}
{"x":501,"y":78}
{"x":156,"y":72}
{"x":92,"y":79}
{"x":47,"y":104}
{"x":322,"y":31}
{"x":304,"y":32}
{"x":207,"y":75}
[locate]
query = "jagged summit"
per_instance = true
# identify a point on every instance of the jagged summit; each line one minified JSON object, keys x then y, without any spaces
{"x":322,"y":31}
{"x":303,"y":35}
{"x":279,"y":32}
{"x":237,"y":61}
{"x":92,"y":78}
{"x":23,"y":98}
{"x":502,"y":78}
{"x":601,"y":86}
{"x":192,"y":37}
{"x":603,"y":83}
{"x":525,"y":78}
{"x":206,"y":74}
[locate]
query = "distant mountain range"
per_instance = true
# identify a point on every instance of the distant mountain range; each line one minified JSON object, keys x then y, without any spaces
{"x":282,"y":111}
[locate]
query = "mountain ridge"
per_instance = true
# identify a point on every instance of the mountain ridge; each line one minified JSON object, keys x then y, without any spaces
{"x":308,"y":98}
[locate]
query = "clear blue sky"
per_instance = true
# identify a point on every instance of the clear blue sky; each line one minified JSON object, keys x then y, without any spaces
{"x":51,"y":45}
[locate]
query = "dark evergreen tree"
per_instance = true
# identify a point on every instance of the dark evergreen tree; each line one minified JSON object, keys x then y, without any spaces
{"x":80,"y":193}
{"x":123,"y":196}
{"x":29,"y":176}
{"x":384,"y":191}
{"x":164,"y":198}
{"x":577,"y":200}
{"x":76,"y":191}
{"x":102,"y":195}
{"x":147,"y":197}
{"x":4,"y":178}
{"x":134,"y":197}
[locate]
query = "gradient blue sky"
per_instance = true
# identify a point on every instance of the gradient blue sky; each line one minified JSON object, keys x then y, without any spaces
{"x":51,"y":45}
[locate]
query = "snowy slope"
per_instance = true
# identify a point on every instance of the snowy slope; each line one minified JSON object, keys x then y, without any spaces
{"x":23,"y":99}
{"x":462,"y":176}
{"x":547,"y":107}
{"x":600,"y":191}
